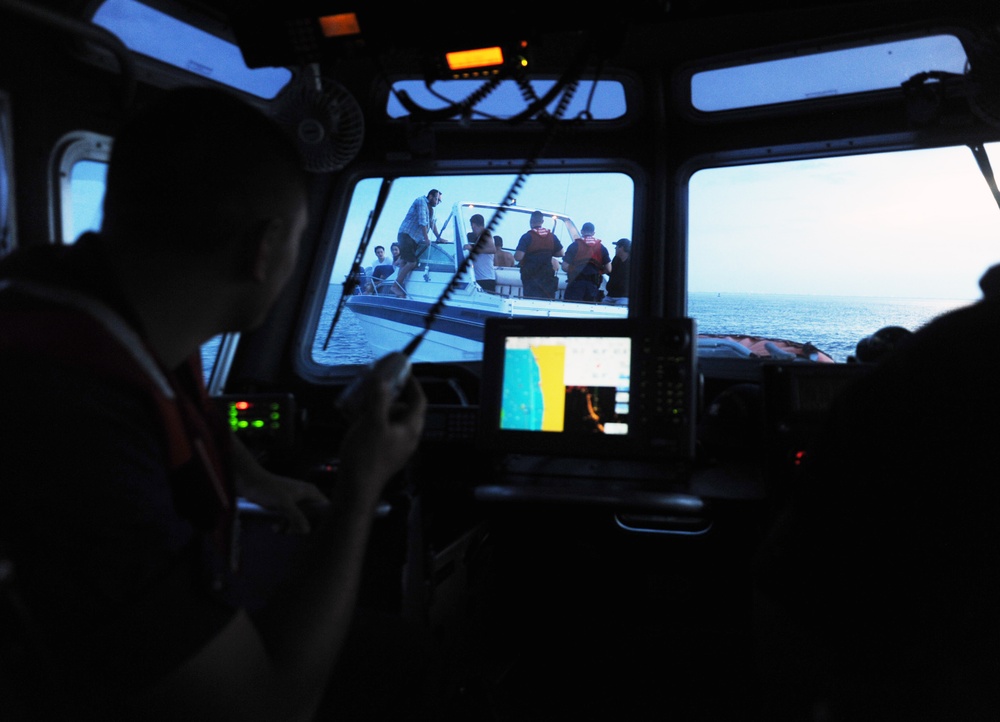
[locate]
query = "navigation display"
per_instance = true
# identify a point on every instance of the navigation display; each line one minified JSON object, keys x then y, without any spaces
{"x":607,"y":388}
{"x":576,"y":385}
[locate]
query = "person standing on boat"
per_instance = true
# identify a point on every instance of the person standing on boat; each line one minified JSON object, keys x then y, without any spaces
{"x":616,"y":290}
{"x":586,"y":261}
{"x":535,"y":251}
{"x":414,"y":236}
{"x":481,"y":239}
{"x":502,"y":259}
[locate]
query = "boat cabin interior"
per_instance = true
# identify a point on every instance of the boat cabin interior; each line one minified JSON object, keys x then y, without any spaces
{"x":791,"y":178}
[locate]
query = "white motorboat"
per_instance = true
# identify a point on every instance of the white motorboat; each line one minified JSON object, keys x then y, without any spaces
{"x":455,"y":331}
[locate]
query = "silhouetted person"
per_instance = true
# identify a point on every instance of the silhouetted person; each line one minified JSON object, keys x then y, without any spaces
{"x":878,"y":587}
{"x":879,"y":344}
{"x":118,"y":477}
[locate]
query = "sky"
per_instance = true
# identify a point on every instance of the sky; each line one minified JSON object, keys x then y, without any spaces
{"x":916,"y":224}
{"x":919,"y":224}
{"x":604,"y":199}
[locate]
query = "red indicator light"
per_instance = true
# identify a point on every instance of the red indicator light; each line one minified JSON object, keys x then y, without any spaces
{"x":798,"y":458}
{"x":242,"y":405}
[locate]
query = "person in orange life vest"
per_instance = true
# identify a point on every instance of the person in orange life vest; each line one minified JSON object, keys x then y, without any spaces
{"x":586,"y":261}
{"x":535,"y":251}
{"x":119,"y":525}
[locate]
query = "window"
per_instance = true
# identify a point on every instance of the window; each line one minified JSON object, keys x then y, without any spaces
{"x":81,"y":161}
{"x":829,"y":251}
{"x":825,"y":74}
{"x":374,"y":321}
{"x":86,"y":181}
{"x":163,"y":37}
{"x":83,"y":168}
{"x":7,"y":238}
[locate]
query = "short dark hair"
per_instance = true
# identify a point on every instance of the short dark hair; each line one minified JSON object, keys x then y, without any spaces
{"x":189,"y":167}
{"x":478,"y":219}
{"x":379,"y":248}
{"x":537,"y":217}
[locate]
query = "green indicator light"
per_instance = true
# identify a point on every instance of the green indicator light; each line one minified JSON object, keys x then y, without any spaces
{"x":242,"y":424}
{"x":275,"y":425}
{"x":258,"y":423}
{"x":275,"y":416}
{"x":275,"y":406}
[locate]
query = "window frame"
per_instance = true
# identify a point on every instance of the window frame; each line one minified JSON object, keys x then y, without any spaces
{"x":72,"y":148}
{"x":334,"y":224}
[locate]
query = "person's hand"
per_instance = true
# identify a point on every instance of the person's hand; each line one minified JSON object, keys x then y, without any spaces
{"x":282,"y":495}
{"x":385,"y":431}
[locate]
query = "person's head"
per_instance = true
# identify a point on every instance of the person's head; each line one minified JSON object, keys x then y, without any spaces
{"x":394,"y":250}
{"x":380,"y":252}
{"x":202,"y":184}
{"x":989,"y":283}
{"x":881,"y":343}
{"x":477,"y":222}
{"x":623,"y":246}
{"x":587,"y":229}
{"x":498,"y":241}
{"x":537,"y":219}
{"x":434,"y":197}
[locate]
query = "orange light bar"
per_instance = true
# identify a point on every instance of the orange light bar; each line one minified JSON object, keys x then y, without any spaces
{"x":478,"y":58}
{"x":337,"y":26}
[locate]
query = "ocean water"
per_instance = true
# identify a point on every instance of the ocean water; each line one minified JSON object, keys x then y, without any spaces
{"x":833,"y":324}
{"x":348,"y":344}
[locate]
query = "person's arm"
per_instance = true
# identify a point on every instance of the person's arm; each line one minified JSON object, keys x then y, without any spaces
{"x":277,"y":665}
{"x":425,"y":221}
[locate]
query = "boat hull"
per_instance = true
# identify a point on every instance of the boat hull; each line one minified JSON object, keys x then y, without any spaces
{"x":456,"y":334}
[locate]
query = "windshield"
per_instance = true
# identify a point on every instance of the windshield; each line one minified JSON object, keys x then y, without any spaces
{"x":375,"y":319}
{"x":828,"y":251}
